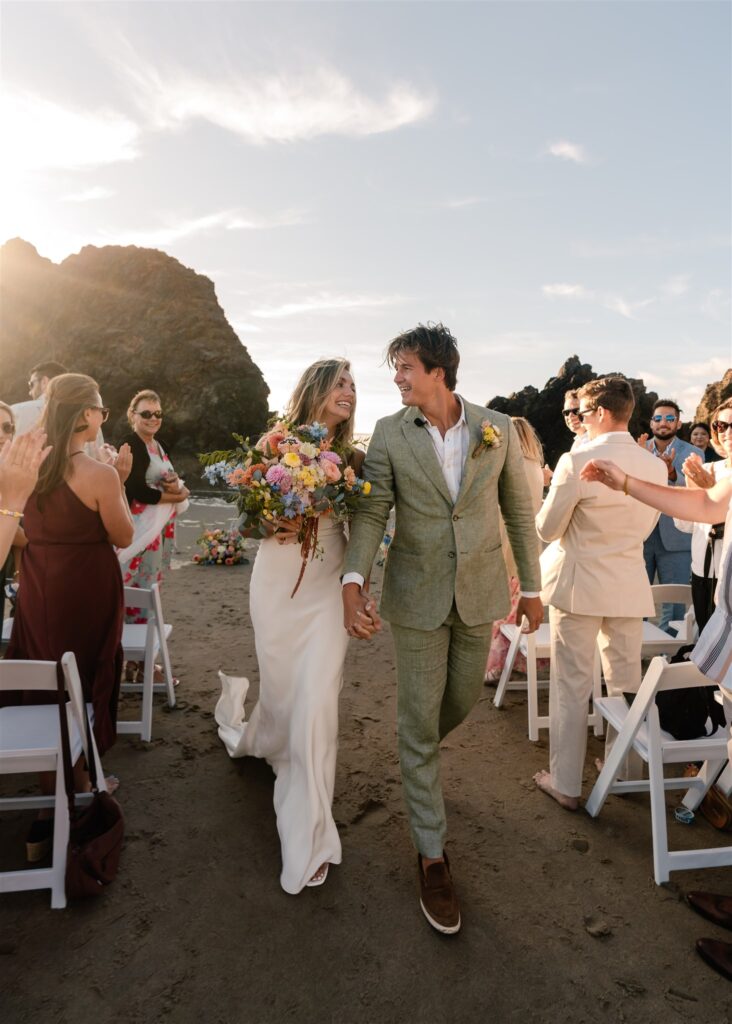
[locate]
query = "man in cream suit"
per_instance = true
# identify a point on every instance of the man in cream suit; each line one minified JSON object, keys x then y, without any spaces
{"x":594,"y":578}
{"x":448,"y":467}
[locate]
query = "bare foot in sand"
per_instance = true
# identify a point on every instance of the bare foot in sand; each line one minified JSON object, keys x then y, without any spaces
{"x":320,"y":876}
{"x":543,"y":781}
{"x":599,"y":764}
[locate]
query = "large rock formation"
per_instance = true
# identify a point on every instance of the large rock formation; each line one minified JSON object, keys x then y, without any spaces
{"x":131,"y":318}
{"x":543,"y":409}
{"x":714,"y":395}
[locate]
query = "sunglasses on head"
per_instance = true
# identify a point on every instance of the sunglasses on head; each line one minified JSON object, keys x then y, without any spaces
{"x":668,"y":418}
{"x":721,"y":427}
{"x":148,"y":415}
{"x":569,"y":412}
{"x":7,"y":428}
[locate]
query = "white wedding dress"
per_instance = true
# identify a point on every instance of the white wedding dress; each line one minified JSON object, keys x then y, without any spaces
{"x":301,"y":646}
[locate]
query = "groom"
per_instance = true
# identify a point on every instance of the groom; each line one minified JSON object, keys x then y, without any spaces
{"x":449,"y":467}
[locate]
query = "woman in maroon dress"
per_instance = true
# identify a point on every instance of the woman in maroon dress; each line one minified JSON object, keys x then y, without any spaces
{"x":71,"y":594}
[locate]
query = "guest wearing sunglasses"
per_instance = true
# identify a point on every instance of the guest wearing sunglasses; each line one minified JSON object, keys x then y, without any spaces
{"x":668,"y":550}
{"x":153,"y":481}
{"x":27,"y":415}
{"x":573,"y":421}
{"x":71,"y":596}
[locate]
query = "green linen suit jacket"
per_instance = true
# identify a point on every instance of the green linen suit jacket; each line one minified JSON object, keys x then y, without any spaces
{"x":444,"y":552}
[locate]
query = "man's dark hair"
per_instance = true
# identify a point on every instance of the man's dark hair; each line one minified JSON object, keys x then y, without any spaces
{"x":613,"y":393}
{"x":50,"y":369}
{"x":669,"y":402}
{"x":434,"y":346}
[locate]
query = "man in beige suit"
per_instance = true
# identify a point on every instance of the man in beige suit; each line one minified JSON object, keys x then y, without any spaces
{"x":593,"y":578}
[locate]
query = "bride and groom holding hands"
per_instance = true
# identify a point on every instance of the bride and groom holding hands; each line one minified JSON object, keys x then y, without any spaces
{"x":451,"y":470}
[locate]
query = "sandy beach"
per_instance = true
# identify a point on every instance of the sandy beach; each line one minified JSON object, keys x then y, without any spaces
{"x":562,"y":919}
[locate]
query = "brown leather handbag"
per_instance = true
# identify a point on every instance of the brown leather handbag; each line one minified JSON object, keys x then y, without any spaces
{"x":97,"y":831}
{"x":716,"y":807}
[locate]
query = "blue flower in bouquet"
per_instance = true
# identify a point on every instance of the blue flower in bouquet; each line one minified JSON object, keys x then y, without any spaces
{"x":217,"y":471}
{"x":317,"y":432}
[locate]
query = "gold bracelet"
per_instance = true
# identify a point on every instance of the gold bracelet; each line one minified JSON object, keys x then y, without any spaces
{"x":625,"y":486}
{"x":9,"y":512}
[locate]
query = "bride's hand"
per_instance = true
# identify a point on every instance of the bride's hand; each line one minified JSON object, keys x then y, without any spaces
{"x":286,"y":530}
{"x":603,"y":472}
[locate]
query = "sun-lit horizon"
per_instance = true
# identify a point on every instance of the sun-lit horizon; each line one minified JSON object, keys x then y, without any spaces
{"x":546,"y":179}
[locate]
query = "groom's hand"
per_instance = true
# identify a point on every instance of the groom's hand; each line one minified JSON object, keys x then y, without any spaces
{"x":360,"y":618}
{"x":533,"y":609}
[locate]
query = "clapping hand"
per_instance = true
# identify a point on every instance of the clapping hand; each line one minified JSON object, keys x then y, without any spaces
{"x":19,"y":464}
{"x":601,"y":471}
{"x":548,"y":474}
{"x":643,"y":440}
{"x":668,"y":458}
{"x":695,"y":473}
{"x":123,"y":462}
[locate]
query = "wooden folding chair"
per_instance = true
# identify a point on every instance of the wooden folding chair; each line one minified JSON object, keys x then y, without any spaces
{"x":533,"y":646}
{"x":30,"y":741}
{"x":639,"y":729}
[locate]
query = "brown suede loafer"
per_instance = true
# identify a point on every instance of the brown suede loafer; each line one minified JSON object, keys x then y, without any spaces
{"x":717,"y":954}
{"x":437,"y":896}
{"x":715,"y":908}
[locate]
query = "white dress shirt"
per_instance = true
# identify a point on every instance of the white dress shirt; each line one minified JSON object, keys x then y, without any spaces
{"x":452,"y":453}
{"x":28,"y":414}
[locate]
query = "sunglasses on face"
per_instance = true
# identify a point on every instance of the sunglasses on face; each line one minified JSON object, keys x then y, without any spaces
{"x":7,"y":428}
{"x":721,"y":427}
{"x":103,"y":410}
{"x":581,"y":413}
{"x":659,"y":419}
{"x":569,"y":412}
{"x":147,"y":415}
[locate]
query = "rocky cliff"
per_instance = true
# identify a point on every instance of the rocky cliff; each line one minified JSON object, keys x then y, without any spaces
{"x":543,"y":409}
{"x":131,"y":318}
{"x":714,"y":395}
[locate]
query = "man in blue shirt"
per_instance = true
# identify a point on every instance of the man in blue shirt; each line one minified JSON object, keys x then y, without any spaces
{"x":667,"y":551}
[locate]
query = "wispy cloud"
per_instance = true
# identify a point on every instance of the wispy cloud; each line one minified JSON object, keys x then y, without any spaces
{"x":686,"y":383}
{"x":39,"y":134}
{"x":274,"y":107}
{"x":676,"y":286}
{"x":572,"y":151}
{"x":715,"y":305}
{"x":608,"y":300}
{"x":177,"y":229}
{"x":459,"y":204}
{"x":90,"y":194}
{"x":327,"y":302}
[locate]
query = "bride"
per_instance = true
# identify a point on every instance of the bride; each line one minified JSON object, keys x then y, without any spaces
{"x":301,"y":646}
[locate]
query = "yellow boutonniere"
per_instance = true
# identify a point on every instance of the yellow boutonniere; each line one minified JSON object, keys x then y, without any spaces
{"x":490,"y":437}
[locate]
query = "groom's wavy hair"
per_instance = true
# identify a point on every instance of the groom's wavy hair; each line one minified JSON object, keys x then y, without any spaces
{"x":310,"y":397}
{"x":434,"y":346}
{"x":613,"y":393}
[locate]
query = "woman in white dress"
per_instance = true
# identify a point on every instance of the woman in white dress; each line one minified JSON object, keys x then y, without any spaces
{"x":301,"y":646}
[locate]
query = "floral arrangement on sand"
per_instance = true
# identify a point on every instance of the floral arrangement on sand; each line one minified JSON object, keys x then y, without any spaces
{"x":294,"y":473}
{"x":221,"y":547}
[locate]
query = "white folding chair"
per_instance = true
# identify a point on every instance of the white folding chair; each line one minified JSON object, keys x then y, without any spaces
{"x":30,"y":741}
{"x":533,"y":646}
{"x":144,"y":642}
{"x":657,"y":641}
{"x":639,"y":729}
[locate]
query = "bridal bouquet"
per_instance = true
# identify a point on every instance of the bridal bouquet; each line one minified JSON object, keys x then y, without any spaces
{"x":292,"y":473}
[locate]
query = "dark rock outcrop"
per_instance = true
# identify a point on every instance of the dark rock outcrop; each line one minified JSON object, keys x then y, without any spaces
{"x":131,"y":318}
{"x":543,"y":409}
{"x":714,"y":395}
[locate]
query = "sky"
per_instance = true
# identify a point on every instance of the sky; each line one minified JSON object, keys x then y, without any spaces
{"x":547,"y":179}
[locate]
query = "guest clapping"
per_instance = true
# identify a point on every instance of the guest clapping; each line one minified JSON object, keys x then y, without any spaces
{"x":707,"y":539}
{"x":71,"y":598}
{"x":20,"y":460}
{"x":153,"y":481}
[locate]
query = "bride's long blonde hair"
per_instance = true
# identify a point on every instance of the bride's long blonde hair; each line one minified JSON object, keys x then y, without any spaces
{"x":310,"y":397}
